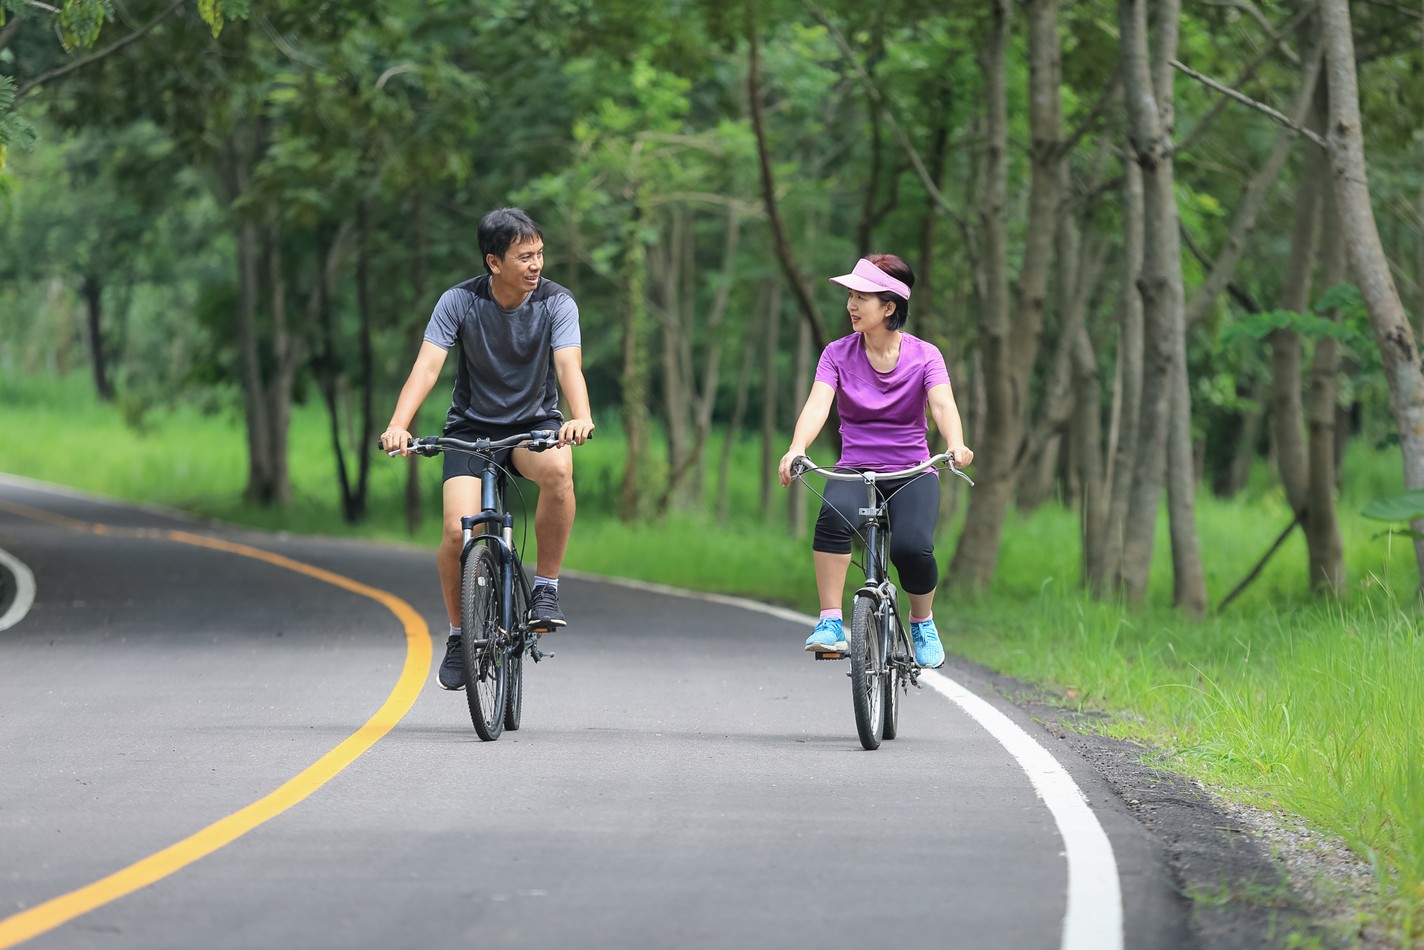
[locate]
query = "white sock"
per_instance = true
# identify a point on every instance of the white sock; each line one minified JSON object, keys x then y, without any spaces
{"x":553,"y":582}
{"x":454,"y":630}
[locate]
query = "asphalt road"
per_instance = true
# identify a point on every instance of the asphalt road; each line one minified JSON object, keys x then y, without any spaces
{"x":685,"y":776}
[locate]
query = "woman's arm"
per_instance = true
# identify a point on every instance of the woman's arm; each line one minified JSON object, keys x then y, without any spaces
{"x":808,"y":426}
{"x":945,"y":412}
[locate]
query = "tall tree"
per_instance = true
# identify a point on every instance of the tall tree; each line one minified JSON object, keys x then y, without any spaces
{"x":1164,"y":434}
{"x":1368,"y":263}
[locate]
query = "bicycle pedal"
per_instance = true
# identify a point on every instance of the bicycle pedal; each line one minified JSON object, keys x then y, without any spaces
{"x":831,"y":656}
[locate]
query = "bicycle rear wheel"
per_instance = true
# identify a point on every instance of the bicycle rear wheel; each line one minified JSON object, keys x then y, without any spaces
{"x":514,"y":701}
{"x":486,"y":654}
{"x":894,"y":679}
{"x":867,"y":673}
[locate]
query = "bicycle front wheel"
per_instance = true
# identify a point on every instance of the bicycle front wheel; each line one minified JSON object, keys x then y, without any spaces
{"x":867,"y":673}
{"x":486,"y":653}
{"x":514,"y":702}
{"x":893,"y":682}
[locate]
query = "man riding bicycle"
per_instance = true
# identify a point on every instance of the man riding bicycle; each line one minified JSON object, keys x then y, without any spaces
{"x":519,"y":341}
{"x":882,"y":380}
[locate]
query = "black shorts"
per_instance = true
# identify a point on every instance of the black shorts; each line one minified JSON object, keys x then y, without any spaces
{"x":460,"y":464}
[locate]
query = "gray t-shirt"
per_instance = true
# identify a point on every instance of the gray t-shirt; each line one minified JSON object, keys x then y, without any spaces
{"x":506,"y":373}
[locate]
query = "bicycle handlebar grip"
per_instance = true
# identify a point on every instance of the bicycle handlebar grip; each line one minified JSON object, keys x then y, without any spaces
{"x":799,"y":465}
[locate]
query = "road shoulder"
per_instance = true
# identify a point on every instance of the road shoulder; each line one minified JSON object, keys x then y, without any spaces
{"x":1251,"y":878}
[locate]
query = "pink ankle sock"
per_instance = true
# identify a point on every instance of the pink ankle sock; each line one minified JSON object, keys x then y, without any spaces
{"x":831,"y":614}
{"x":914,"y":619}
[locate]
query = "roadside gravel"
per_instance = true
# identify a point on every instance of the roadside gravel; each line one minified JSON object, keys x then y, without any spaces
{"x":1255,"y":878}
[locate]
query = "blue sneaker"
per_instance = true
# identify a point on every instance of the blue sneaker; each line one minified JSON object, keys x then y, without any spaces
{"x":929,"y":653}
{"x":828,"y":637}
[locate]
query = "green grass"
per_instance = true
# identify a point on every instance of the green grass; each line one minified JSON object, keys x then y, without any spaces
{"x":1313,"y":708}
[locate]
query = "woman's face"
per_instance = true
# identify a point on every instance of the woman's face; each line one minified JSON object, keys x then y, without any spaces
{"x":867,"y":311}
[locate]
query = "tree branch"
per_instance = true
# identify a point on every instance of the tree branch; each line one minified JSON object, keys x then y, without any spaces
{"x":879,"y":100}
{"x":1260,"y":106}
{"x":111,"y":48}
{"x":8,"y":31}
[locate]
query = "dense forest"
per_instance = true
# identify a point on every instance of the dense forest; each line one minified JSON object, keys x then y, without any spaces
{"x":1156,"y":241}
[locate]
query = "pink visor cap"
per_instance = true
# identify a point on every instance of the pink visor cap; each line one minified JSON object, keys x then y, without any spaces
{"x":869,"y":279}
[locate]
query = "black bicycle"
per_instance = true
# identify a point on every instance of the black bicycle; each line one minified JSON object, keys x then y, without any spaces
{"x":882,"y":659}
{"x":497,"y":631}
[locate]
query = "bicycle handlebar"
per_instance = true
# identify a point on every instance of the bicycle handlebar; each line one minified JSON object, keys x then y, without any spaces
{"x":803,"y":464}
{"x":538,"y":440}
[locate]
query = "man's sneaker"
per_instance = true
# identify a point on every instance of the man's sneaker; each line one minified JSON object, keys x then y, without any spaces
{"x":828,"y":637}
{"x":544,"y":609}
{"x":452,"y":669}
{"x":929,"y":653}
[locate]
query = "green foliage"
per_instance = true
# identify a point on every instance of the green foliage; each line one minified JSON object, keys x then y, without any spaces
{"x":1408,"y":506}
{"x":80,"y":21}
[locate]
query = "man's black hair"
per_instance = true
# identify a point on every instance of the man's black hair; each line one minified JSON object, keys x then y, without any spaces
{"x":502,"y":228}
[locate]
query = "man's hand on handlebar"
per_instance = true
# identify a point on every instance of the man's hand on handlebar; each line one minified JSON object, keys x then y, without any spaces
{"x":576,"y":432}
{"x":396,"y":439}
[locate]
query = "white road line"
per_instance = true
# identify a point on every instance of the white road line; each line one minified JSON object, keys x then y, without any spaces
{"x":24,"y":590}
{"x":1093,"y":920}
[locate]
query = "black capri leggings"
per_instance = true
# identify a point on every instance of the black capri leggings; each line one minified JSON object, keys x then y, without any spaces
{"x":914,"y":511}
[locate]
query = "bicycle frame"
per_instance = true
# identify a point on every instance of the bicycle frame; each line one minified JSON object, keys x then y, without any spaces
{"x":498,"y":535}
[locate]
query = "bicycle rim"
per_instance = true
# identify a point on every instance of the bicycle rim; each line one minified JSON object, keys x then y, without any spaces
{"x":893,"y":682}
{"x":486,"y":656}
{"x":867,"y":674}
{"x":514,"y":700}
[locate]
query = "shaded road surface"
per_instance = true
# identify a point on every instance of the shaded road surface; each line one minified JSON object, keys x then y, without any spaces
{"x":685,"y":777}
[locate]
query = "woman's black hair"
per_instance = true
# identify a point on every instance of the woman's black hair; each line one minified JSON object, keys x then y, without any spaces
{"x":899,"y":270}
{"x":502,"y":228}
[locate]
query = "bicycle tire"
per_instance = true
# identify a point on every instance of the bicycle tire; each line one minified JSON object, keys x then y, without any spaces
{"x":514,"y":698}
{"x":486,"y":666}
{"x":867,"y":671}
{"x":893,"y":681}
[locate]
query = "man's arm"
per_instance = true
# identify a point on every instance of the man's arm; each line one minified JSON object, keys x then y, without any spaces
{"x":423,"y":375}
{"x":568,"y":366}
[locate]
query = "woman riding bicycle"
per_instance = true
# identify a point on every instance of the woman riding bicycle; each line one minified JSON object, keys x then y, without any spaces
{"x":881,"y":379}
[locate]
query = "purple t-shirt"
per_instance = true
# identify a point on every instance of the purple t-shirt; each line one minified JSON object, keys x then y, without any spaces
{"x":883,"y":425}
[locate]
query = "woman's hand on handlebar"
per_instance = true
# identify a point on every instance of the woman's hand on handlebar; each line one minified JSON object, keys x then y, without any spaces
{"x":960,"y":455}
{"x":783,"y":470}
{"x":396,"y":439}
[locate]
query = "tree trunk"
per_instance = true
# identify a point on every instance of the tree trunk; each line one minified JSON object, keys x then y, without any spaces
{"x":734,"y":427}
{"x":260,"y":478}
{"x":695,"y":403}
{"x":1150,"y":116}
{"x":93,"y":290}
{"x":1368,"y":264}
{"x":1325,"y":554}
{"x":635,"y":367}
{"x":795,"y":494}
{"x":670,"y":258}
{"x":977,"y":552}
{"x":1107,"y":573}
{"x":770,"y":381}
{"x":282,"y":350}
{"x":1287,"y":412}
{"x":420,"y":279}
{"x":365,"y":432}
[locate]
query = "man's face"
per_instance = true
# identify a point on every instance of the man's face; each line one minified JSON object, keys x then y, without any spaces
{"x":519,"y":268}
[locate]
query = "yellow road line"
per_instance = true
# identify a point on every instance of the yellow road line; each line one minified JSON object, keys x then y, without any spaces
{"x":60,"y":910}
